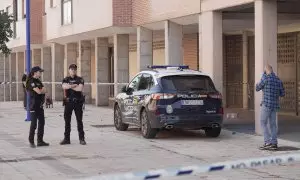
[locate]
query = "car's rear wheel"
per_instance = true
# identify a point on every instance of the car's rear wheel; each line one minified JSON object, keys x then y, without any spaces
{"x":118,"y":122}
{"x":213,"y":132}
{"x":147,"y":131}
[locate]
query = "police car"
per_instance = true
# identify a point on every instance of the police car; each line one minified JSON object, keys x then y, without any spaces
{"x":167,"y":97}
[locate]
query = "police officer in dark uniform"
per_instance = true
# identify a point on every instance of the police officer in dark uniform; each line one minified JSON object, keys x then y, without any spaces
{"x":37,"y":99}
{"x":73,"y":86}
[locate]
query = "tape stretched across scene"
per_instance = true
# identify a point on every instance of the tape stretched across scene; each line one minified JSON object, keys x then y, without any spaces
{"x":197,"y":169}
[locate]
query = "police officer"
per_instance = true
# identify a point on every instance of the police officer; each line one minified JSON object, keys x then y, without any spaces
{"x":73,"y":86}
{"x":37,"y":92}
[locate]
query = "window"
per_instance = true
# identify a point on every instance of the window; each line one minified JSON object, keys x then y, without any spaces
{"x":188,"y":83}
{"x":134,"y":83}
{"x":146,"y":82}
{"x":67,"y":12}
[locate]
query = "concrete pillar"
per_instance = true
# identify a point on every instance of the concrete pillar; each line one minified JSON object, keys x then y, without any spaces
{"x":265,"y":46}
{"x":144,"y":48}
{"x":20,"y":66}
{"x":36,"y":57}
{"x":46,"y":64}
{"x":102,"y":71}
{"x":12,"y":76}
{"x":71,"y":56}
{"x":173,"y":44}
{"x":245,"y":71}
{"x":84,"y":68}
{"x":211,"y":47}
{"x":121,"y":61}
{"x":57,"y":55}
{"x":6,"y":79}
{"x":2,"y":76}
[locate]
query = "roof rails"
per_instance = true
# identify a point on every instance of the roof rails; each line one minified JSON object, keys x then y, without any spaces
{"x":179,"y":67}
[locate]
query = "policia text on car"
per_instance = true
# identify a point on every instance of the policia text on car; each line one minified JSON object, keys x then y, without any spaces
{"x":73,"y":85}
{"x":37,"y":92}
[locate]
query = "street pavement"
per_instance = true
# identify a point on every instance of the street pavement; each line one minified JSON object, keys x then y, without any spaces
{"x":111,"y":151}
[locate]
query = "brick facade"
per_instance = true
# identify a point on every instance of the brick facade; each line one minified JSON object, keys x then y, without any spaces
{"x":140,"y":11}
{"x":122,"y":12}
{"x":36,"y":18}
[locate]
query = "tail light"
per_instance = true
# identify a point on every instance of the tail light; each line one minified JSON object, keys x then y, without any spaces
{"x":215,"y":96}
{"x":162,"y":96}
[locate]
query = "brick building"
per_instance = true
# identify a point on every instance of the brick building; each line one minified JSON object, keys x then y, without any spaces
{"x":111,"y":40}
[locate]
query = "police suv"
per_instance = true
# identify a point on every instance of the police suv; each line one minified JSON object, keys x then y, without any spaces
{"x":167,"y":97}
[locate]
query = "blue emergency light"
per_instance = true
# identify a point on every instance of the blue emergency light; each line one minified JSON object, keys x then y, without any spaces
{"x":167,"y":66}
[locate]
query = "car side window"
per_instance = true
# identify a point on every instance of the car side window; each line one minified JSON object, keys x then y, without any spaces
{"x":146,"y":82}
{"x":135,"y":82}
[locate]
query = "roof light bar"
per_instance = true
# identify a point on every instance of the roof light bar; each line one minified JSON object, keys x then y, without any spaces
{"x":167,"y":66}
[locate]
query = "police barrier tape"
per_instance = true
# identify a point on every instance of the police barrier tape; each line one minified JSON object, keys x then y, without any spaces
{"x":196,"y":169}
{"x":104,"y":84}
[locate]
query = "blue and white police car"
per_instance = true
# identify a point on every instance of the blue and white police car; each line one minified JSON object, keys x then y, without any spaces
{"x":167,"y":97}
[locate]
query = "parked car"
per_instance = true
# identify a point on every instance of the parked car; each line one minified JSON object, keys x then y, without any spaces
{"x":167,"y":97}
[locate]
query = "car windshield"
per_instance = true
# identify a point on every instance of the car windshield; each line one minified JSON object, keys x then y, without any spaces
{"x":188,"y":83}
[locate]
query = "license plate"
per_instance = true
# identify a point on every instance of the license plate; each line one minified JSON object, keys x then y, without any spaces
{"x":192,"y":102}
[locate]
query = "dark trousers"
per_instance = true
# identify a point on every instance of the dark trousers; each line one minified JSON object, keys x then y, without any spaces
{"x":37,"y":117}
{"x":77,"y":107}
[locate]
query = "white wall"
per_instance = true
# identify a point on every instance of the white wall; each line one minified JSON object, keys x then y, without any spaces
{"x":87,"y":16}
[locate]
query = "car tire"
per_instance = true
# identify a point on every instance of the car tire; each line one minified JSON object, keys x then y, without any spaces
{"x":118,"y":122}
{"x":213,"y":132}
{"x":147,"y":131}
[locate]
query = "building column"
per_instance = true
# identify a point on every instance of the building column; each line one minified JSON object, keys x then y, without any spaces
{"x":6,"y":79}
{"x":2,"y":76}
{"x":36,"y":57}
{"x":84,"y":68}
{"x":57,"y":55}
{"x":144,"y":48}
{"x":265,"y":46}
{"x":121,"y":61}
{"x":102,"y":71}
{"x":173,"y":43}
{"x":46,"y":64}
{"x":12,"y":78}
{"x":245,"y":71}
{"x":211,"y":47}
{"x":20,"y":66}
{"x":71,"y":56}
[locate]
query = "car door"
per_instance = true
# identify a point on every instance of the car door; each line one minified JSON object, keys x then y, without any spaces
{"x":128,"y":99}
{"x":144,"y":88}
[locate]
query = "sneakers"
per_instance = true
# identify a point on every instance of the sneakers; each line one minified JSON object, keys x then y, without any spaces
{"x":42,"y":143}
{"x":269,"y":147}
{"x":65,"y":141}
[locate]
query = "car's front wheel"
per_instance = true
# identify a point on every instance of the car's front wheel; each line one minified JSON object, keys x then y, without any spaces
{"x":213,"y":132}
{"x":118,"y":122}
{"x":147,"y":131}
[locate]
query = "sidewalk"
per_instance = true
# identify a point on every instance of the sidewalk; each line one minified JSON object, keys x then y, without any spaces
{"x":111,"y":151}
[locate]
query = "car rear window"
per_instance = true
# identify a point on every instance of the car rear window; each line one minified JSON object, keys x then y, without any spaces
{"x":188,"y":83}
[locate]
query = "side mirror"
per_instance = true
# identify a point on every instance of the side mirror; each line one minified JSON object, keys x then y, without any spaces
{"x":124,"y":89}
